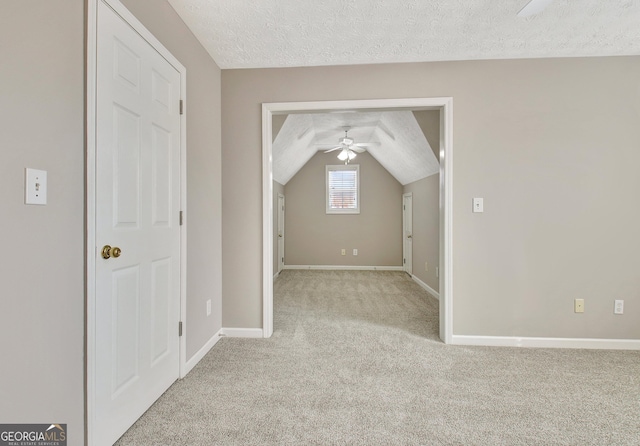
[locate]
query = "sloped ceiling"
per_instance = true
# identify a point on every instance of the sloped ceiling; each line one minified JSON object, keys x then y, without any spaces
{"x":398,"y":143}
{"x":291,"y":33}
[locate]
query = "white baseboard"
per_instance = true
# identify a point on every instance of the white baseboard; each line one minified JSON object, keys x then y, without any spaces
{"x":426,"y":287}
{"x":345,"y":267}
{"x":242,"y":332}
{"x":513,"y":341}
{"x":195,"y":359}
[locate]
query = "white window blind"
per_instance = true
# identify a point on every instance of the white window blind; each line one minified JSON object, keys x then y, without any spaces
{"x":342,"y":189}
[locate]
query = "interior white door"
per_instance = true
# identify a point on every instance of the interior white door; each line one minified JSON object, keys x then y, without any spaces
{"x":407,"y":230}
{"x":280,"y":232}
{"x":137,"y":211}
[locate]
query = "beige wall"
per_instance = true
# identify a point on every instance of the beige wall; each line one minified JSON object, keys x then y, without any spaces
{"x":42,"y":268}
{"x":277,"y":189}
{"x":425,"y":196}
{"x":204,"y":186}
{"x":316,"y":238}
{"x":551,"y":145}
{"x":42,"y":126}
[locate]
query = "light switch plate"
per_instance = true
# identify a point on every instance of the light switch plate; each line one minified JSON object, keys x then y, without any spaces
{"x":35,"y":186}
{"x":478,"y":205}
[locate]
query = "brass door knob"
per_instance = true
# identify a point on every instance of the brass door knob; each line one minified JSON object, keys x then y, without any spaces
{"x":409,"y":236}
{"x":108,"y":252}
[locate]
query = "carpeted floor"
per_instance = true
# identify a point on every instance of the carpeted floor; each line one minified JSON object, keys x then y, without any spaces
{"x":355,"y":359}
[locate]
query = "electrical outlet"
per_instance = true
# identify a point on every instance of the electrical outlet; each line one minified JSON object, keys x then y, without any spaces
{"x":355,"y":251}
{"x":426,"y":266}
{"x":618,"y":306}
{"x":343,"y":252}
{"x":578,"y":305}
{"x":209,"y":307}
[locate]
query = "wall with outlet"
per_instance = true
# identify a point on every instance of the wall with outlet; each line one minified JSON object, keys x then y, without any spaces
{"x":426,"y":229}
{"x":551,"y":146}
{"x":317,"y":238}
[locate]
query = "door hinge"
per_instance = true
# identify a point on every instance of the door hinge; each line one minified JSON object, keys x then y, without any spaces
{"x":180,"y":218}
{"x":180,"y":328}
{"x":181,"y":107}
{"x":404,"y":260}
{"x":404,"y":208}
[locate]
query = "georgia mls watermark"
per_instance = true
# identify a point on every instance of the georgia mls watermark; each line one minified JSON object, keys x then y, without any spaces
{"x":33,"y":435}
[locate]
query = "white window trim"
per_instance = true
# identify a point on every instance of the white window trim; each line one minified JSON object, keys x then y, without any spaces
{"x":334,"y":167}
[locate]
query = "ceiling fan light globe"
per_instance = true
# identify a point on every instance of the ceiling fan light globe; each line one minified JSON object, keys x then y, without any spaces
{"x":352,"y":155}
{"x":343,"y":155}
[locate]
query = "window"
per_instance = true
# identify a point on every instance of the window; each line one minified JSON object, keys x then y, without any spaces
{"x":343,"y":184}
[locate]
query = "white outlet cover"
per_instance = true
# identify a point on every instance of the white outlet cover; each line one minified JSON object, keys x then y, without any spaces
{"x":35,"y":186}
{"x":618,"y":307}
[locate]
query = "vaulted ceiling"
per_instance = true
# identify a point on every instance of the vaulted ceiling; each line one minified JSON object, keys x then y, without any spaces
{"x":397,"y":141}
{"x":291,"y":33}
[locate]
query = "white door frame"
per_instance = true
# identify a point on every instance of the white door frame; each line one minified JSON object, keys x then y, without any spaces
{"x":445,"y":105}
{"x":91,"y":248}
{"x":407,"y":264}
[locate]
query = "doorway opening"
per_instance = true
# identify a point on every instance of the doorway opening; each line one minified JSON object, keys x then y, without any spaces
{"x":445,"y":106}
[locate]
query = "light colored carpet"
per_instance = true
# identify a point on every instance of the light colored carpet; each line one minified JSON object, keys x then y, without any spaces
{"x":355,"y":360}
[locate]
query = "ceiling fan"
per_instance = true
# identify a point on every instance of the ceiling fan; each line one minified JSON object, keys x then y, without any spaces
{"x":348,"y":148}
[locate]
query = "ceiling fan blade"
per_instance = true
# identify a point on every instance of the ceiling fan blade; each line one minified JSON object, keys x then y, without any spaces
{"x":534,"y":7}
{"x":331,"y":150}
{"x":357,"y":149}
{"x":366,"y":144}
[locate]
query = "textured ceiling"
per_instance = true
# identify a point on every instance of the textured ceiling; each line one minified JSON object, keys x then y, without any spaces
{"x":288,"y":33}
{"x":398,"y":142}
